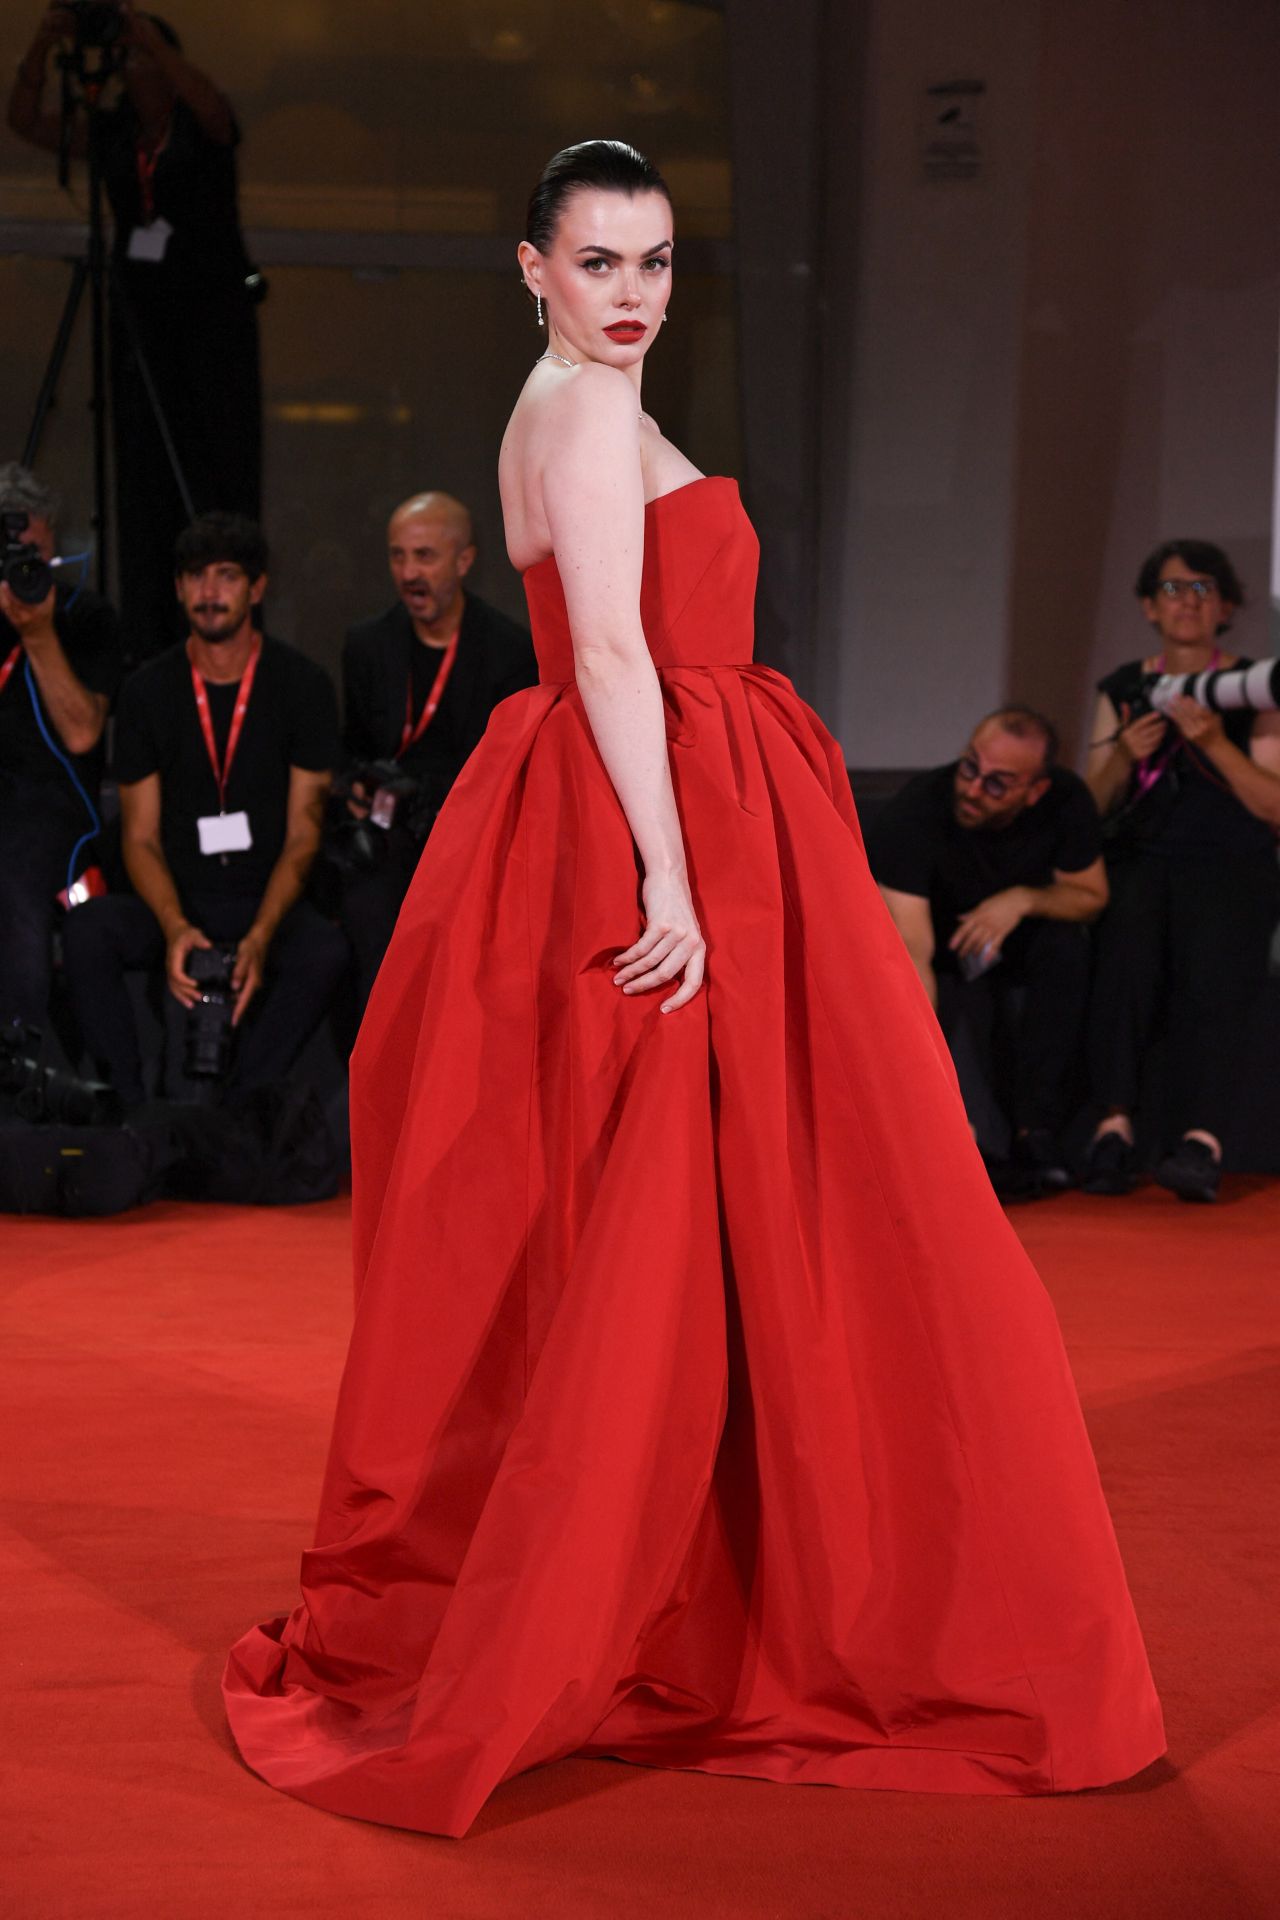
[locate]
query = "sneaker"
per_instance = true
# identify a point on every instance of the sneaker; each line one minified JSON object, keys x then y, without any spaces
{"x":1111,"y":1166}
{"x":1041,"y":1161}
{"x":1192,"y":1171}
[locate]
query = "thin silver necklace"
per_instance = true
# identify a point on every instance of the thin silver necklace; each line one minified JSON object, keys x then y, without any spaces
{"x":548,"y":355}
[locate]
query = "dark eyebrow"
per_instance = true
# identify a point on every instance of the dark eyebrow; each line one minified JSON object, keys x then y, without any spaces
{"x":609,"y":253}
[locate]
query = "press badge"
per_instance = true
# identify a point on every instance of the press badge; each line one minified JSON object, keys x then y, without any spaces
{"x":224,"y":833}
{"x":150,"y":242}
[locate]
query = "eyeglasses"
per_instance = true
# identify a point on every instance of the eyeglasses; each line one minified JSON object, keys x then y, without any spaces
{"x":994,"y":785}
{"x":1175,"y":589}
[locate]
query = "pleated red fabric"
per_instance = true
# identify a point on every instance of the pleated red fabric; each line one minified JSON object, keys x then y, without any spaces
{"x":702,"y":1408}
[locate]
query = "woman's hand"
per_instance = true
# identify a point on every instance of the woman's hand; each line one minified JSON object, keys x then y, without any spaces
{"x":671,"y":945}
{"x":1139,"y":738}
{"x":1200,"y":725}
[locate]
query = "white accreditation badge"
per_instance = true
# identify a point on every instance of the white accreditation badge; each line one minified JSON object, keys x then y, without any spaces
{"x":224,"y":833}
{"x":150,"y":242}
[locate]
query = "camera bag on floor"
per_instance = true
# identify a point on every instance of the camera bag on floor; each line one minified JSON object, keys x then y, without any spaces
{"x":82,"y":1172}
{"x":271,"y":1147}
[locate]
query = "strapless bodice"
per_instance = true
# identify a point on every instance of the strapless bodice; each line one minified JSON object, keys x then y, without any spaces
{"x":697,"y":592}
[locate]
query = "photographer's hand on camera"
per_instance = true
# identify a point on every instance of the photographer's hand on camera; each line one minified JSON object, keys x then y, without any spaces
{"x":1197,"y":724}
{"x":178,"y":944}
{"x":78,"y":714}
{"x":1138,"y":739}
{"x":251,"y":962}
{"x":359,"y":800}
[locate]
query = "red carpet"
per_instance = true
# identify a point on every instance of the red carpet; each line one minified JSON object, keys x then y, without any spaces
{"x":167,"y":1381}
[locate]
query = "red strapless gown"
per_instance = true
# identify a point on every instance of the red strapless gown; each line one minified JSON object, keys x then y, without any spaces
{"x":702,"y":1408}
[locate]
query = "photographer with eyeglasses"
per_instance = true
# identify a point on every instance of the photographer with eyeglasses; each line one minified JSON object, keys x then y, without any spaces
{"x":992,"y":868}
{"x":1191,"y":806}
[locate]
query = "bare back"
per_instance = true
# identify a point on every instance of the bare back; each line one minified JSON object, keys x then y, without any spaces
{"x":530,"y":438}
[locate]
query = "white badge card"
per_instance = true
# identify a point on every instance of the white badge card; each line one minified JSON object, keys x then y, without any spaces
{"x":150,"y":242}
{"x":224,"y":833}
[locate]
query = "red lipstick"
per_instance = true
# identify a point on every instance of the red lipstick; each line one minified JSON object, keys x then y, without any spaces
{"x":627,"y":332}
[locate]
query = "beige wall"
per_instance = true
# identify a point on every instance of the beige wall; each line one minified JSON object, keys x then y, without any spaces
{"x":1059,"y":364}
{"x":1151,"y":316}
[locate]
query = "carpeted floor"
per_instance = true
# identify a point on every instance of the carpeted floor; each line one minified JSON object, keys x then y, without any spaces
{"x":166,"y":1384}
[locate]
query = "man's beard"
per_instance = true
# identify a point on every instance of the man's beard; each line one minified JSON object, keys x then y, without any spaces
{"x":228,"y":627}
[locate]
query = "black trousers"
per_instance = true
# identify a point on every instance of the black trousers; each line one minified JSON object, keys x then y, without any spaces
{"x":201,"y":348}
{"x":38,"y":831}
{"x":108,"y":938}
{"x":1015,"y":1032}
{"x":1182,"y":946}
{"x":370,"y":905}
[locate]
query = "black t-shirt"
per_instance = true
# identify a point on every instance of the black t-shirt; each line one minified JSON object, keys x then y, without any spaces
{"x":291,"y":721}
{"x":194,"y":188}
{"x":916,"y":845}
{"x":1190,"y":811}
{"x":90,"y":635}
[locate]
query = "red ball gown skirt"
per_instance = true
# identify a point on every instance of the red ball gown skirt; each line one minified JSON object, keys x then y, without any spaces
{"x":702,"y":1408}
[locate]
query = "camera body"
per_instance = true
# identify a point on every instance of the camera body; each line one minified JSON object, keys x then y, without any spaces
{"x":23,"y":567}
{"x":209,"y":1037}
{"x":41,"y":1094}
{"x":396,"y":800}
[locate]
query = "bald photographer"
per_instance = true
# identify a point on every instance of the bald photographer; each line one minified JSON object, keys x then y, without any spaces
{"x":419,"y":684}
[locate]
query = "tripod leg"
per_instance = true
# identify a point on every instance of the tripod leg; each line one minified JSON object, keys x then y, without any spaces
{"x":47,"y":398}
{"x":125,"y":314}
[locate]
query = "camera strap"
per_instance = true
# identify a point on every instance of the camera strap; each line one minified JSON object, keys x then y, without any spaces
{"x":411,"y":734}
{"x":6,"y":671}
{"x":222,"y":773}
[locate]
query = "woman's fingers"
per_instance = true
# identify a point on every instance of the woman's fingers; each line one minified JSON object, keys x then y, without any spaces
{"x":661,"y":947}
{"x":692,"y":983}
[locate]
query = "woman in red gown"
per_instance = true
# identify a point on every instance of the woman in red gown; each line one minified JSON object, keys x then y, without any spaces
{"x":683,"y":1421}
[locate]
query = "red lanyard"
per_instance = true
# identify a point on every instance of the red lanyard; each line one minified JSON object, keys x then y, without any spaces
{"x":147,"y":164}
{"x":223,"y":773}
{"x":9,"y":665}
{"x":411,"y":734}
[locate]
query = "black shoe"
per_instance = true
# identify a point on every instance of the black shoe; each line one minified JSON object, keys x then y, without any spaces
{"x":1041,"y":1162}
{"x":1111,"y":1166}
{"x":1192,"y":1172}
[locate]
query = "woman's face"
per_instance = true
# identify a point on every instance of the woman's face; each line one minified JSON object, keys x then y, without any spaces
{"x":607,"y":279}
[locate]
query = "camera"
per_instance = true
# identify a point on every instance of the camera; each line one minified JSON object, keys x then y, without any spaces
{"x":23,"y":568}
{"x":40,"y":1093}
{"x":208,"y":1039}
{"x":396,"y":799}
{"x":98,"y":23}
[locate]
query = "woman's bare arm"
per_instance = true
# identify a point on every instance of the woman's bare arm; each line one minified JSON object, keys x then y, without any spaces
{"x":593,"y":498}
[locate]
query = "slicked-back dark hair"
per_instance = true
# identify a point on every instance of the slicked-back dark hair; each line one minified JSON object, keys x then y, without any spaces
{"x":610,"y":166}
{"x":1025,"y":723}
{"x":1201,"y":556}
{"x":221,"y":536}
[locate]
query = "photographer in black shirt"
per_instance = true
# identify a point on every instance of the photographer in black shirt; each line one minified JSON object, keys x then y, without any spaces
{"x":419,"y":684}
{"x":224,"y":753}
{"x":1191,"y":810}
{"x":991,"y":868}
{"x":59,"y":668}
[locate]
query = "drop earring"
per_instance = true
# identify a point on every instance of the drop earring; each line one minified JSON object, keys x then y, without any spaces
{"x":538,"y":299}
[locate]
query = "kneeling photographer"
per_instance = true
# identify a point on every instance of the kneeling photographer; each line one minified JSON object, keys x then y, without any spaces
{"x":59,"y":667}
{"x":224,"y":753}
{"x":419,"y":684}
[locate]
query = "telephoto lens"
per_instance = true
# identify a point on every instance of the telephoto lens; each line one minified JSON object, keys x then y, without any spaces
{"x":209,"y":1034}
